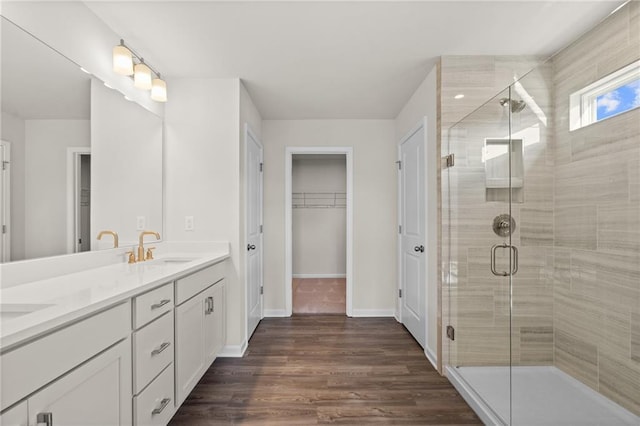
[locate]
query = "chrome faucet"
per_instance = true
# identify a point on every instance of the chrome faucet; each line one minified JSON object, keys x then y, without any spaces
{"x":141,"y":245}
{"x":112,"y":233}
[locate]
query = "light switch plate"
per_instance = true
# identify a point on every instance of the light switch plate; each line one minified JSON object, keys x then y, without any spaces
{"x":188,"y":223}
{"x":141,"y":222}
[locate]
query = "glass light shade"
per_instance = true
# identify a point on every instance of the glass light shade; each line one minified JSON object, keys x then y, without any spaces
{"x":122,"y":60}
{"x":142,"y":77}
{"x":159,"y":90}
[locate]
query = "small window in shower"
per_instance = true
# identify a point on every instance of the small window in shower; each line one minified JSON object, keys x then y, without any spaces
{"x":614,"y":94}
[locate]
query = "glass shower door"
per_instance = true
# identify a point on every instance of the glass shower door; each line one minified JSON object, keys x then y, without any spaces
{"x":478,"y":255}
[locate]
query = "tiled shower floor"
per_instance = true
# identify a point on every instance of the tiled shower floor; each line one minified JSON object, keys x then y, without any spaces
{"x":543,"y":396}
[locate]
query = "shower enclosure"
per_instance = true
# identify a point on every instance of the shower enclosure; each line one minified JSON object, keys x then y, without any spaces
{"x":541,"y":256}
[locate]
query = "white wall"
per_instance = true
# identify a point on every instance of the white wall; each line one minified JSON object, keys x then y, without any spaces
{"x":46,"y":179}
{"x":76,"y":32}
{"x":13,"y":129}
{"x":319,"y":236}
{"x":424,"y":103}
{"x":126,"y":167}
{"x":374,"y":205}
{"x":202,"y":175}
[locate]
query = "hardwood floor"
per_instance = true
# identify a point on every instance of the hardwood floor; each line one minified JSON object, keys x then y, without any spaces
{"x":326,"y":369}
{"x":319,"y":296}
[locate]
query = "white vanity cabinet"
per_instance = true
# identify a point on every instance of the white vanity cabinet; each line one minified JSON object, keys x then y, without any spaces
{"x":131,"y":363}
{"x":200,"y":326}
{"x":78,"y":375}
{"x":153,"y":341}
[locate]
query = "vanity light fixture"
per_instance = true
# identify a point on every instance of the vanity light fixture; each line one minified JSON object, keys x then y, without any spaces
{"x":142,"y":76}
{"x":122,"y":59}
{"x":159,"y":90}
{"x":127,"y":62}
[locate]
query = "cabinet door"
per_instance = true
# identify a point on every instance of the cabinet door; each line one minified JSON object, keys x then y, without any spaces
{"x":97,"y":393}
{"x":189,"y":362}
{"x":17,"y":416}
{"x":214,"y":322}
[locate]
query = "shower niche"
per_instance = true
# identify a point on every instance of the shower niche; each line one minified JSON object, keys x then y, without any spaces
{"x":504,"y":171}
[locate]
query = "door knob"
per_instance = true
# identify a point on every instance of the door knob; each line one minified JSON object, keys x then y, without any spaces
{"x":419,"y":248}
{"x":251,"y":247}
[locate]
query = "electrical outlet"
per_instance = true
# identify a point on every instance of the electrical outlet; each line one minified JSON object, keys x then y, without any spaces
{"x":188,"y":223}
{"x":141,"y":223}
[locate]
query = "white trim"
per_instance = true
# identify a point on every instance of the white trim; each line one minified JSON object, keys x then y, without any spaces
{"x":72,"y":153}
{"x":477,"y":404}
{"x":319,"y":276}
{"x":233,"y":351}
{"x":288,"y":228}
{"x":275,"y":313}
{"x":5,"y":216}
{"x":363,"y":313}
{"x":248,"y":132}
{"x":433,"y":359}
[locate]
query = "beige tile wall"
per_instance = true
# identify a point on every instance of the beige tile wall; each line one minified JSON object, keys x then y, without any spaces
{"x":597,"y":221}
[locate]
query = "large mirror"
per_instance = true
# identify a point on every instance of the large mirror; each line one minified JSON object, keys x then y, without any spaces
{"x":78,"y":157}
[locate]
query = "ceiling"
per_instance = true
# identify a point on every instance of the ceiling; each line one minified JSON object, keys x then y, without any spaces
{"x":334,"y":59}
{"x":37,"y":81}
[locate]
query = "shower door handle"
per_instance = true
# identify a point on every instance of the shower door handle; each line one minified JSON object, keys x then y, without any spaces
{"x":514,"y":267}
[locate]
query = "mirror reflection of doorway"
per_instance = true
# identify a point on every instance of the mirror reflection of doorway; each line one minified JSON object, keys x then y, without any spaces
{"x":319,"y":233}
{"x":82,"y":202}
{"x":5,"y":197}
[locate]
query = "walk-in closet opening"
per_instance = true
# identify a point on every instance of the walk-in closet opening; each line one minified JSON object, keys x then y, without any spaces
{"x":319,"y":237}
{"x":318,"y":230}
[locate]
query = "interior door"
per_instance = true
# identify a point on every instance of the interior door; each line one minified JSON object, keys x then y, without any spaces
{"x":253,"y":230}
{"x":412,"y":235}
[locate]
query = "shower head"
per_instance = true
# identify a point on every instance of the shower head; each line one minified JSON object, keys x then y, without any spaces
{"x":516,"y":106}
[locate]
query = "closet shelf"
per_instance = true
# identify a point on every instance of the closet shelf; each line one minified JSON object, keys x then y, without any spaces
{"x":319,"y":200}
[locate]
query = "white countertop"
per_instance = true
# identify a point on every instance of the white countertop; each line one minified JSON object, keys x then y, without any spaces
{"x":79,"y":294}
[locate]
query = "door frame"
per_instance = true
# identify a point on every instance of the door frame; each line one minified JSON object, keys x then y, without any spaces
{"x":73,"y":157}
{"x":248,"y":132}
{"x":288,"y":227}
{"x":5,"y":214}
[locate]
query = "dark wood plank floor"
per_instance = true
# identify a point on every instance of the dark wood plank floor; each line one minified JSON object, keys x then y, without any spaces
{"x":326,"y":369}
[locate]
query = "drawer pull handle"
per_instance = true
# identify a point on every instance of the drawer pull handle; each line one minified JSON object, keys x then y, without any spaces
{"x":160,"y":304}
{"x":160,"y":348}
{"x":45,"y":419}
{"x":163,"y":405}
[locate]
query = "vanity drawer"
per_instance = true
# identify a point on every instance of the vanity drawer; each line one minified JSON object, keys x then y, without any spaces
{"x":37,"y":363}
{"x":151,"y":305}
{"x":155,"y":406}
{"x":193,"y":284}
{"x":152,"y":350}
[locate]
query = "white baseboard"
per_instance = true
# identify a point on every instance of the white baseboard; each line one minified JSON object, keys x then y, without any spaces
{"x":431,"y":357}
{"x":233,"y":351}
{"x":275,"y":313}
{"x":373,"y":313}
{"x":319,"y":276}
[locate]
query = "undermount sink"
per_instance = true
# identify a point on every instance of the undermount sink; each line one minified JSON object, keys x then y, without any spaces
{"x":173,"y":260}
{"x":177,"y":260}
{"x":9,"y":311}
